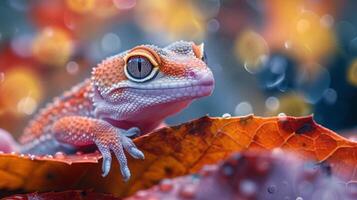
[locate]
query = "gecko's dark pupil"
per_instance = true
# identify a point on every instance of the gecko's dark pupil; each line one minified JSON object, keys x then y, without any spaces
{"x":139,"y":67}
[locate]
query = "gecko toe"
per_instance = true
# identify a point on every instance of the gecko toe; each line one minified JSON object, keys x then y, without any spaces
{"x":136,"y":153}
{"x":125,"y":172}
{"x":107,"y":158}
{"x":132,"y":131}
{"x":130,"y":147}
{"x":106,"y":166}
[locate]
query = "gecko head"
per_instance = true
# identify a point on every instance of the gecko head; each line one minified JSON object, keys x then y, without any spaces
{"x":153,"y":82}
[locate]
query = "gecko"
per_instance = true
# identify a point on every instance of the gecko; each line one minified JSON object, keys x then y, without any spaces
{"x":127,"y":95}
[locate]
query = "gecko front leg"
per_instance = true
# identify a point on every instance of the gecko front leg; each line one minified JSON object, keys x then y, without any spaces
{"x":82,"y":131}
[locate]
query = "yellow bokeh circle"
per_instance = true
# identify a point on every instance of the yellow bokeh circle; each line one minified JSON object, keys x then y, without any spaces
{"x":21,"y":91}
{"x":81,"y":6}
{"x":352,"y":73}
{"x":52,"y":46}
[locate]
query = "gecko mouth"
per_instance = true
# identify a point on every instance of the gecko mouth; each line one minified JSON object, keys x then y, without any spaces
{"x":194,"y":88}
{"x":193,"y":91}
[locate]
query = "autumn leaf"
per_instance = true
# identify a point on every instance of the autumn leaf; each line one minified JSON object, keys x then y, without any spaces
{"x":181,"y":150}
{"x":250,"y":176}
{"x":73,"y":195}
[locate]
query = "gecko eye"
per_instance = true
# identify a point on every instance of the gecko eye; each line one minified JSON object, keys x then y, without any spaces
{"x":140,"y":69}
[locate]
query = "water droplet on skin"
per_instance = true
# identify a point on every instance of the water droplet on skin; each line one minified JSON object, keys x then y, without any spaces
{"x":166,"y":185}
{"x":226,"y":115}
{"x":272,"y":189}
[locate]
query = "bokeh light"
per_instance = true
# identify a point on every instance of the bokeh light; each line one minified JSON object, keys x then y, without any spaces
{"x":352,"y":73}
{"x":292,"y":105}
{"x":2,"y":77}
{"x":272,"y":103}
{"x":124,"y":4}
{"x":52,"y":46}
{"x":81,"y":6}
{"x":21,"y":91}
{"x":105,"y":9}
{"x":72,"y":67}
{"x":177,"y":19}
{"x":301,"y":27}
{"x":243,"y":108}
{"x":258,"y":52}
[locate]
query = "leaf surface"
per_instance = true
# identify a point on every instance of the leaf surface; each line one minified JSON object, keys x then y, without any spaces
{"x":181,"y":150}
{"x":250,"y":176}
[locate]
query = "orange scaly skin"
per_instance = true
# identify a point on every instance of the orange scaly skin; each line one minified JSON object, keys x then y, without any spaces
{"x":128,"y":93}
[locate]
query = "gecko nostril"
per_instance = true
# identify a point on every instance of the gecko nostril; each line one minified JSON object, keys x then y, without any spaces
{"x":192,"y":74}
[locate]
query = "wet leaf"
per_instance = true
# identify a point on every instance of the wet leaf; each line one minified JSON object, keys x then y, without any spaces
{"x":182,"y":150}
{"x":74,"y":195}
{"x":249,"y":176}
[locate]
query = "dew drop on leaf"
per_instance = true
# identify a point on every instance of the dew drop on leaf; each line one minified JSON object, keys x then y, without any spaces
{"x":32,"y":157}
{"x":226,"y":115}
{"x":248,"y":187}
{"x":272,"y":189}
{"x":228,"y":170}
{"x":59,"y":155}
{"x":188,"y":191}
{"x":166,"y":185}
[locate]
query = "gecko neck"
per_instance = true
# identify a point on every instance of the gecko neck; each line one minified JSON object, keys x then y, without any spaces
{"x":150,"y":118}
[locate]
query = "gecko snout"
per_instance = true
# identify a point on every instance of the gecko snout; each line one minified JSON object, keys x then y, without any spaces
{"x":204,"y":78}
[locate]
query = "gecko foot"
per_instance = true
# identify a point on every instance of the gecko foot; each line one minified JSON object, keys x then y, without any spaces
{"x":117,"y":144}
{"x":131,"y":132}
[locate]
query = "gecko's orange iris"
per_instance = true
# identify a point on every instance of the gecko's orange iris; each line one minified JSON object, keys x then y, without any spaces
{"x":145,"y":52}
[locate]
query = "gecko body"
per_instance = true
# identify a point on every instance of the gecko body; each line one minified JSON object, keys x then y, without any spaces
{"x":128,"y":94}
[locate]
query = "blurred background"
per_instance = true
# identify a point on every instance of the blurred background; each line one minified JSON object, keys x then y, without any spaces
{"x":269,"y":57}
